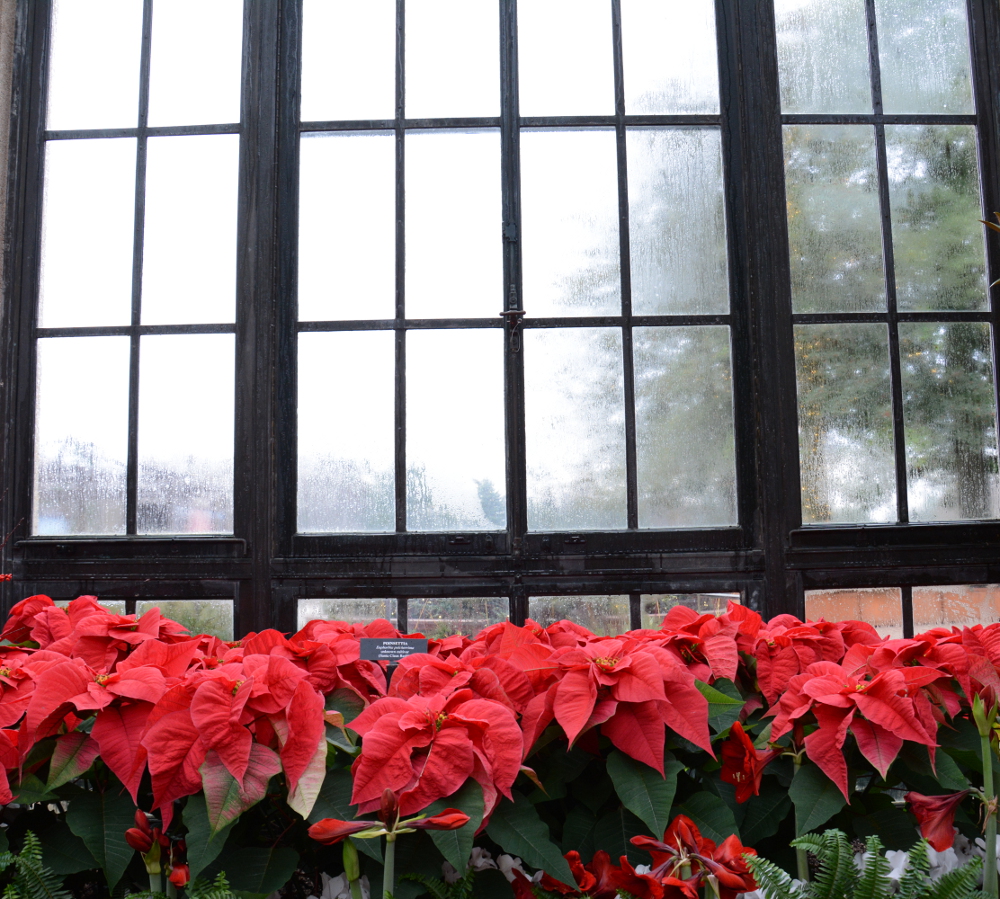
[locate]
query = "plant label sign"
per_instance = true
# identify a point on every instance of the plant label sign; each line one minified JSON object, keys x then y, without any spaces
{"x":374,"y":649}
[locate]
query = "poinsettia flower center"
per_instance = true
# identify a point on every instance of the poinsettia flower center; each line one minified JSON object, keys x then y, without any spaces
{"x":236,"y":687}
{"x":101,"y":679}
{"x":606,"y":664}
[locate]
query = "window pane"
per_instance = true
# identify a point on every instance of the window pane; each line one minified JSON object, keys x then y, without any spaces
{"x":569,"y":197}
{"x":923,"y":50}
{"x":348,"y":60}
{"x":437,"y":618}
{"x":671,"y":64}
{"x":684,"y":427}
{"x":606,"y":616}
{"x":454,"y":247}
{"x":195,"y":62}
{"x":347,"y":226}
{"x":353,"y":611}
{"x":823,"y":56}
{"x":446,"y":37}
{"x":88,"y":229}
{"x":845,"y":423}
{"x":455,"y":469}
{"x":186,"y":401}
{"x":189,"y":247}
{"x":346,"y":474}
{"x":950,"y":423}
{"x":955,"y":606}
{"x":677,"y":221}
{"x":936,"y":235}
{"x":81,"y":435}
{"x":575,"y":428}
{"x":656,"y":606}
{"x":199,"y":616}
{"x":881,"y":607}
{"x":94,"y":68}
{"x":834,"y":230}
{"x":564,"y":57}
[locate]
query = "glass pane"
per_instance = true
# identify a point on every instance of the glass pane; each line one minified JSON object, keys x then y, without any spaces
{"x":454,"y":247}
{"x":353,"y":611}
{"x":823,"y":56}
{"x":569,"y":200}
{"x":677,"y":221}
{"x":438,"y":618}
{"x":446,"y":37}
{"x":834,"y":225}
{"x":671,"y":63}
{"x":88,"y":229}
{"x":81,"y":435}
{"x":186,"y":400}
{"x":455,"y":467}
{"x":575,"y":428}
{"x":936,"y":235}
{"x":685,"y":446}
{"x":115,"y":606}
{"x":564,"y":57}
{"x":347,"y":226}
{"x":606,"y":616}
{"x":199,"y":616}
{"x":195,"y":62}
{"x":923,"y":48}
{"x":845,"y":423}
{"x":949,"y":421}
{"x":955,"y":606}
{"x":348,"y":60}
{"x":94,"y":64}
{"x":881,"y":607}
{"x":346,"y":478}
{"x":656,"y":606}
{"x":189,"y":248}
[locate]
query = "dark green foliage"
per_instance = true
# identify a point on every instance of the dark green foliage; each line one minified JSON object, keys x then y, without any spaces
{"x":32,"y":879}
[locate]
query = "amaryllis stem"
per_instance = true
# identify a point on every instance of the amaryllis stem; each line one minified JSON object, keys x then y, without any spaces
{"x":389,"y":871}
{"x":801,"y":858}
{"x":990,"y":862}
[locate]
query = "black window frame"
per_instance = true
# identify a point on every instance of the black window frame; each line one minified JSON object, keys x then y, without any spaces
{"x":265,"y":567}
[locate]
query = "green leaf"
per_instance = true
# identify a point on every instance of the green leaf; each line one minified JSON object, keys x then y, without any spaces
{"x":816,"y":799}
{"x":724,"y":703}
{"x":73,"y":755}
{"x":259,"y":870}
{"x":712,"y":816}
{"x":225,"y":796}
{"x":334,"y":801}
{"x":456,"y":845}
{"x":517,"y":829}
{"x":62,"y":850}
{"x":764,"y":815}
{"x":203,"y":845}
{"x":578,"y":831}
{"x":100,"y":820}
{"x":614,"y":832}
{"x":347,"y":702}
{"x":642,"y":791}
{"x":31,"y":790}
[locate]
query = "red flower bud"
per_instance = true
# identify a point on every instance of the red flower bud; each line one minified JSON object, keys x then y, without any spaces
{"x":389,"y":812}
{"x":330,"y":830}
{"x":142,"y":822}
{"x":180,"y":875}
{"x":449,"y":819}
{"x":139,"y":841}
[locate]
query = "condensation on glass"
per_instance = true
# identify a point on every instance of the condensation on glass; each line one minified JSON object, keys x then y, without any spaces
{"x":189,"y":244}
{"x":440,"y":617}
{"x":670,"y":60}
{"x":685,"y":441}
{"x":834,"y":231}
{"x":94,"y":75}
{"x":186,"y":401}
{"x":823,"y":56}
{"x":949,"y":421}
{"x":569,"y":202}
{"x":348,"y":60}
{"x":353,"y":611}
{"x":575,"y":428}
{"x":347,"y":226}
{"x":455,"y":466}
{"x":346,"y":432}
{"x":936,"y":236}
{"x":81,"y":435}
{"x":564,"y":54}
{"x":199,"y":616}
{"x":881,"y":607}
{"x":115,"y":606}
{"x":655,"y":606}
{"x":88,"y":215}
{"x":454,"y":249}
{"x":677,"y":222}
{"x":606,"y":616}
{"x":955,"y":605}
{"x":845,"y":423}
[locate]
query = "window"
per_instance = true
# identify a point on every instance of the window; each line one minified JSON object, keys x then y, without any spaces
{"x":451,"y":311}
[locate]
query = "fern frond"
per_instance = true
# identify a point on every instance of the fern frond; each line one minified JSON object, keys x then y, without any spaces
{"x":914,"y":878}
{"x":437,"y":888}
{"x":836,"y":865}
{"x":874,"y":882}
{"x":33,"y":880}
{"x":217,"y":889}
{"x":772,"y":880}
{"x":958,"y":884}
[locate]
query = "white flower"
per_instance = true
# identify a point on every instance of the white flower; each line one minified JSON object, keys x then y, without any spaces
{"x":508,"y":865}
{"x":898,"y":861}
{"x":339,"y":887}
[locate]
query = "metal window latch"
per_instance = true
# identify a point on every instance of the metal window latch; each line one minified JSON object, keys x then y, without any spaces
{"x":513,"y":315}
